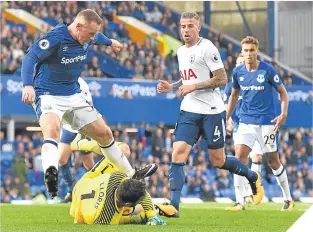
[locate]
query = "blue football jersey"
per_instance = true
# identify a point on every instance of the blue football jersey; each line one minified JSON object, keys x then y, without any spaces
{"x":226,"y":95}
{"x":256,"y":89}
{"x":61,"y":61}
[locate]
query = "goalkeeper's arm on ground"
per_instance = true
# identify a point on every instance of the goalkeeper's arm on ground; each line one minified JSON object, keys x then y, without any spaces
{"x":147,"y":216}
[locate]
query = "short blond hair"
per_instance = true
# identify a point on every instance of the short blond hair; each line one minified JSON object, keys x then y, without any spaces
{"x":90,"y":16}
{"x":250,"y":40}
{"x":190,"y":15}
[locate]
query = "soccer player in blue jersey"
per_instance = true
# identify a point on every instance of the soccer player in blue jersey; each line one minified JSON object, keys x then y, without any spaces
{"x":241,"y":184}
{"x":254,"y":80}
{"x":71,"y":140}
{"x":202,"y":111}
{"x":58,"y":59}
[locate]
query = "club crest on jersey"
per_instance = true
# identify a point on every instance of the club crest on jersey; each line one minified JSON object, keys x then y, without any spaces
{"x":192,"y":58}
{"x":260,"y":78}
{"x":44,"y":44}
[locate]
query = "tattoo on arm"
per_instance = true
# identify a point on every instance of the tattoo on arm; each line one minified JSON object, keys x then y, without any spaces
{"x":219,"y":79}
{"x":177,"y":84}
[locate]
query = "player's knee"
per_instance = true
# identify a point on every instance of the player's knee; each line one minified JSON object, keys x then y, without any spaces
{"x":179,"y":155}
{"x":217,"y":161}
{"x":63,"y":160}
{"x":51,"y":131}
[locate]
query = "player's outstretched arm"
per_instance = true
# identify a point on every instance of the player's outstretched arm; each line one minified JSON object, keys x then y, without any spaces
{"x":101,"y":39}
{"x":281,"y":119}
{"x":164,"y":86}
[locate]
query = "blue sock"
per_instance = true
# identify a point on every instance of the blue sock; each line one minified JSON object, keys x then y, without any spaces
{"x":235,"y":166}
{"x":177,"y":180}
{"x":67,"y":175}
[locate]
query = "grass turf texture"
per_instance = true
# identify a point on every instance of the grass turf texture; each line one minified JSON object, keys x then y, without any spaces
{"x":193,"y":217}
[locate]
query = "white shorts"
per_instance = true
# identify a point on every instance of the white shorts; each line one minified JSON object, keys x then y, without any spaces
{"x":69,"y":128}
{"x":250,"y":135}
{"x":74,"y":110}
{"x":256,"y":149}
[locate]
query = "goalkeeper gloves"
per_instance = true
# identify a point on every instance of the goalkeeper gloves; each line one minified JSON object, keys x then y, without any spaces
{"x":155,"y":221}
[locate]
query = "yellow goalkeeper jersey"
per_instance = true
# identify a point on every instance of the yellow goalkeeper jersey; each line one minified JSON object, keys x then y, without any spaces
{"x":93,"y":195}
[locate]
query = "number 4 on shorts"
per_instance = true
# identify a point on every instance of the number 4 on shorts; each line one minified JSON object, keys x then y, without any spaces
{"x":217,"y":132}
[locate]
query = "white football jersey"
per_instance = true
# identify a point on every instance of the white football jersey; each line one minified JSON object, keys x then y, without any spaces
{"x":195,"y":66}
{"x":84,"y":89}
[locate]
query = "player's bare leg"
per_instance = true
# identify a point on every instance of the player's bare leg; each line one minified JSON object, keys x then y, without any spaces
{"x":281,"y":178}
{"x":100,"y":132}
{"x":65,"y":153}
{"x":235,"y":166}
{"x":50,"y":126}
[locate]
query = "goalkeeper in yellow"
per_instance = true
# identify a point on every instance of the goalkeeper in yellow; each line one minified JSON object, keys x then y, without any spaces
{"x":105,"y":196}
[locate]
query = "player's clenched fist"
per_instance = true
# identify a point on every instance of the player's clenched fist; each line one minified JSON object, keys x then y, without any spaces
{"x":117,"y":46}
{"x":164,"y":87}
{"x":28,"y":95}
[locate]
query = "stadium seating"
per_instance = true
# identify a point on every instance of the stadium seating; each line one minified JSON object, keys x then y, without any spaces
{"x":111,"y":64}
{"x":209,"y":175}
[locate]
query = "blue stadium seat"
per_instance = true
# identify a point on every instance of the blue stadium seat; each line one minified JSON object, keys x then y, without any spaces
{"x":6,"y":164}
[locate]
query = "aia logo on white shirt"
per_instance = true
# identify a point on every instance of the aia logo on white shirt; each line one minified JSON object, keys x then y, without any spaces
{"x":187,"y":74}
{"x":192,"y":58}
{"x":260,"y":78}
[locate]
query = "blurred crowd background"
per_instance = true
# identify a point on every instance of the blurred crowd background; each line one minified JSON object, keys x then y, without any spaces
{"x":22,"y":176}
{"x":21,"y":171}
{"x":145,"y":60}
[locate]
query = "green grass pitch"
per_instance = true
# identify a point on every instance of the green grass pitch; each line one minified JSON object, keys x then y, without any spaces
{"x":193,"y":217}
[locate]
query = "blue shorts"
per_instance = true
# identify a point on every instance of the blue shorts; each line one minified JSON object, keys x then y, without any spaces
{"x":190,"y":126}
{"x":67,"y":136}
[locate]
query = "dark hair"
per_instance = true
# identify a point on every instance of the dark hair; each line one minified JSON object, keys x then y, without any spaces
{"x":90,"y":16}
{"x":130,"y":191}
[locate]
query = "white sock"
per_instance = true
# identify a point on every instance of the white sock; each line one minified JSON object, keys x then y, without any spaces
{"x":117,"y":157}
{"x":49,"y":154}
{"x":247,"y":191}
{"x":282,"y":180}
{"x":239,"y":186}
{"x":257,"y":167}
